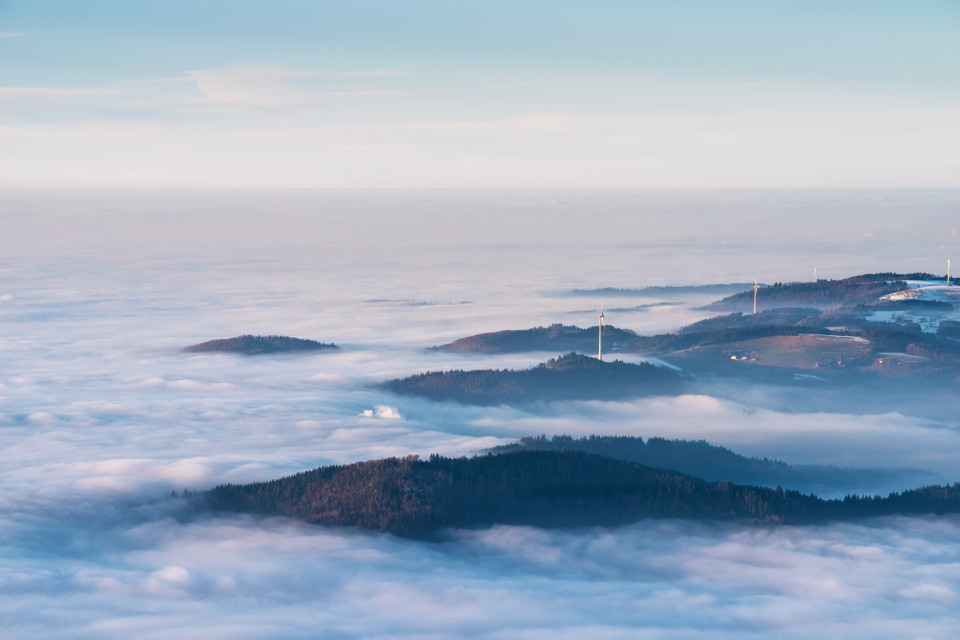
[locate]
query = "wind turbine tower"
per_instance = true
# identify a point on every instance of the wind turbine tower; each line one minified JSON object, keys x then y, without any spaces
{"x":600,"y":334}
{"x":950,"y":255}
{"x":755,"y":287}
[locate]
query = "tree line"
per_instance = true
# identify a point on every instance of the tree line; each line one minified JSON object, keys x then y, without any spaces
{"x":572,"y":376}
{"x":540,"y":488}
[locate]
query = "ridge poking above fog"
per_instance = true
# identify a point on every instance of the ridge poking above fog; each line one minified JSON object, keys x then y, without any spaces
{"x":255,"y":345}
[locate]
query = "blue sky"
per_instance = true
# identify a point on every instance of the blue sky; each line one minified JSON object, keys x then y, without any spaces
{"x":494,"y":94}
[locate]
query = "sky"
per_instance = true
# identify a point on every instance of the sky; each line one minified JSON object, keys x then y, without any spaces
{"x":377,"y":93}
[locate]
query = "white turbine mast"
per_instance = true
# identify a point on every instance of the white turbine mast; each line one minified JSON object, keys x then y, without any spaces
{"x":755,"y":287}
{"x":950,"y":255}
{"x":600,"y":333}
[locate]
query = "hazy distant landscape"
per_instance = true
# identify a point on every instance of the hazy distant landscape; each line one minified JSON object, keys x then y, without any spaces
{"x":105,"y":417}
{"x":886,"y":337}
{"x":833,"y":328}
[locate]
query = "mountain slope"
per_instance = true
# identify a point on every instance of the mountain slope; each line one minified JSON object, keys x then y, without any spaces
{"x":539,"y":488}
{"x":569,"y":377}
{"x":557,"y":337}
{"x":254,"y":345}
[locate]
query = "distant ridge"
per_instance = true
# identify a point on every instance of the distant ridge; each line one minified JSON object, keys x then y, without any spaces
{"x":569,"y":377}
{"x":863,"y":289}
{"x":780,"y":316}
{"x":556,"y":338}
{"x":701,"y":459}
{"x":255,"y":345}
{"x":664,"y":290}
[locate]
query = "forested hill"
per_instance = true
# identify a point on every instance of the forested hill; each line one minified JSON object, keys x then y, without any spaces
{"x":703,"y":460}
{"x":538,"y":488}
{"x":863,"y":289}
{"x":556,"y":338}
{"x":253,"y":345}
{"x":807,"y":318}
{"x":569,"y":377}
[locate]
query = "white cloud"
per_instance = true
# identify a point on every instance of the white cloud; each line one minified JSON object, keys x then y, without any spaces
{"x":43,"y":418}
{"x":257,"y":85}
{"x":183,"y":384}
{"x":196,"y":385}
{"x":264,"y":85}
{"x":382,"y":411}
{"x":244,"y":577}
{"x":329,"y":378}
{"x":948,"y":596}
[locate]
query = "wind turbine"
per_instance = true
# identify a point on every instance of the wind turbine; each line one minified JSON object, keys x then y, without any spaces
{"x":600,"y":333}
{"x":755,"y":287}
{"x":950,"y":255}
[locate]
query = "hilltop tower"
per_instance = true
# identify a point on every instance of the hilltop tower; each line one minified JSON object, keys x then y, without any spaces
{"x":600,"y":334}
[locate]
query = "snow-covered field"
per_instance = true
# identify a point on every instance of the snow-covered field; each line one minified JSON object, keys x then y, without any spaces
{"x":929,"y":291}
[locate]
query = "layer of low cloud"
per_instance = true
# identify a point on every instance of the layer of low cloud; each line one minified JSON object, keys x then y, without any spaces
{"x":143,"y":574}
{"x":103,"y":417}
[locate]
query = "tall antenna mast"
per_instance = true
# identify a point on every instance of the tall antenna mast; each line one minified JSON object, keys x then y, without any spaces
{"x":950,"y":255}
{"x":814,"y":274}
{"x":600,"y":333}
{"x":755,"y":287}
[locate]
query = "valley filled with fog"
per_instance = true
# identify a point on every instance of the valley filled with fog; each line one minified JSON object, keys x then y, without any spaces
{"x":103,"y":417}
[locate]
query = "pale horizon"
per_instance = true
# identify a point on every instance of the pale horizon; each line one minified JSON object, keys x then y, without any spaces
{"x":544,"y":95}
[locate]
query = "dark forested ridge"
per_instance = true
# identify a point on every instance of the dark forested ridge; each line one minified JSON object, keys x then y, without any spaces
{"x":569,"y":377}
{"x":556,"y":338}
{"x":711,"y":462}
{"x":539,"y":488}
{"x":253,"y":345}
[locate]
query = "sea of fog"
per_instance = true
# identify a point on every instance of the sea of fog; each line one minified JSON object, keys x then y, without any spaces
{"x":102,"y":416}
